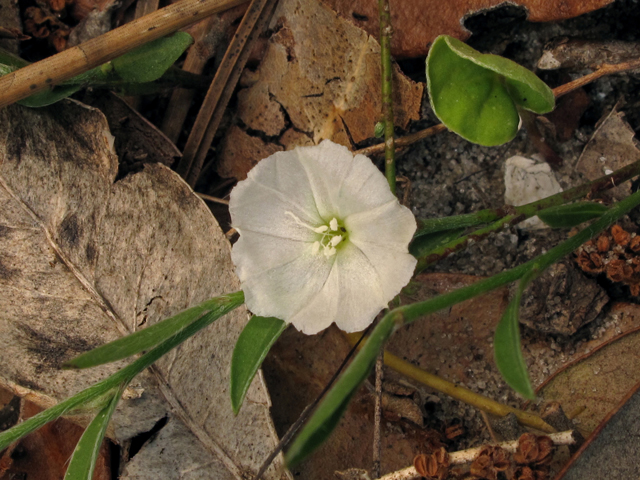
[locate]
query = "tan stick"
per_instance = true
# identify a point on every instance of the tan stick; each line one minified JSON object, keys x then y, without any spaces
{"x":465,"y":456}
{"x":69,"y":63}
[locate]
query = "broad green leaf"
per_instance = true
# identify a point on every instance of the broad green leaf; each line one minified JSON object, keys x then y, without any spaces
{"x":478,"y":95}
{"x":330,"y":410}
{"x":10,"y":59}
{"x":83,"y":460}
{"x":148,"y":62}
{"x":253,"y":344}
{"x":563,"y":216}
{"x":508,"y":354}
{"x":151,"y":336}
{"x":423,"y":244}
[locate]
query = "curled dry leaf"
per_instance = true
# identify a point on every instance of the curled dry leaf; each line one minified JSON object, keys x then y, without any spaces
{"x":319,"y":79}
{"x":85,"y":259}
{"x":417,"y":23}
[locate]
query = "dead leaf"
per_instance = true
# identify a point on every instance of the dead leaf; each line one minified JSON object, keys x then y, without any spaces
{"x":320,"y":76}
{"x":613,"y":450}
{"x":595,"y":383}
{"x":610,"y":148}
{"x":417,"y":23}
{"x":86,"y":260}
{"x":45,"y":453}
{"x":137,"y":140}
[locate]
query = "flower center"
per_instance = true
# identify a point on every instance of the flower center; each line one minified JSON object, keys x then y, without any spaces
{"x":331,"y":235}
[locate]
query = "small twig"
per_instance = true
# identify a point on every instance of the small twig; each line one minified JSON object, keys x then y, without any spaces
{"x":412,"y":138}
{"x":377,"y":419}
{"x":308,"y":409}
{"x":74,"y":61}
{"x":466,"y":456}
{"x":606,"y":69}
{"x":224,"y":83}
{"x":204,"y":196}
{"x":387,"y":96}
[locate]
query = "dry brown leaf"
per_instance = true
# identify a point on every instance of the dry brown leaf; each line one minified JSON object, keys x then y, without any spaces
{"x":418,"y":22}
{"x":321,"y":74}
{"x":297,"y":369}
{"x":85,"y":260}
{"x":595,"y":383}
{"x":610,"y":148}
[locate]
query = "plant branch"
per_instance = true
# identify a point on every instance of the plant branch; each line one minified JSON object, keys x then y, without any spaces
{"x":387,"y":97}
{"x":74,"y":61}
{"x":505,"y":216}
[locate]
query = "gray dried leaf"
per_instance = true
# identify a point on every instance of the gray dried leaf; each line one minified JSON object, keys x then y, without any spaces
{"x":85,"y":260}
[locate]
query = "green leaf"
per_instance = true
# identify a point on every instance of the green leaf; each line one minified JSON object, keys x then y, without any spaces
{"x":328,"y":413}
{"x":47,"y":97}
{"x":508,"y":354}
{"x":148,"y":62}
{"x":562,"y":216}
{"x":423,"y":244}
{"x":83,"y":460}
{"x":151,"y":336}
{"x":252,"y":346}
{"x":478,"y":95}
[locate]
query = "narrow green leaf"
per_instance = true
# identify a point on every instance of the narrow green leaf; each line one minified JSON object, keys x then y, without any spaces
{"x":8,"y":58}
{"x":508,"y":354}
{"x":478,"y":95}
{"x":148,"y":62}
{"x":563,"y":216}
{"x":48,"y":97}
{"x":151,"y":336}
{"x":330,"y":410}
{"x":423,"y":244}
{"x":83,"y":460}
{"x":253,"y":344}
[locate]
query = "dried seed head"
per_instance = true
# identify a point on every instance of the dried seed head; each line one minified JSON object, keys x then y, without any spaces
{"x":603,"y":243}
{"x":620,"y":236}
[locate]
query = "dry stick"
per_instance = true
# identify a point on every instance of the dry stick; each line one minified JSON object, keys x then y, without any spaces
{"x":211,"y":198}
{"x":224,"y":83}
{"x":460,"y":393}
{"x":304,"y":416}
{"x":466,"y":456}
{"x":205,"y":41}
{"x":605,"y":69}
{"x":387,"y":93}
{"x":74,"y":61}
{"x":377,"y":419}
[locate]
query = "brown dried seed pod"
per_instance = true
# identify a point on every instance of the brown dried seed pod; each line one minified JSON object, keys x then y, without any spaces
{"x":620,"y":236}
{"x":634,"y":244}
{"x":635,"y":289}
{"x":527,"y":450}
{"x":603,"y":243}
{"x":616,"y":270}
{"x":590,"y":263}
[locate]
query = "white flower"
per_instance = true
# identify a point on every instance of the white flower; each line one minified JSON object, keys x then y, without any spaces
{"x":322,"y":238}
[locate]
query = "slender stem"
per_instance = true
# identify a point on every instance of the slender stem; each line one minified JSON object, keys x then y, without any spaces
{"x":387,"y":97}
{"x":377,"y":418}
{"x":505,"y":216}
{"x":286,"y":438}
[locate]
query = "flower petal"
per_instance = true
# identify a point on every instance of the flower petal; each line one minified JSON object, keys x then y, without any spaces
{"x":394,"y":268}
{"x":277,"y":185}
{"x":390,"y":225}
{"x":284,"y":290}
{"x":343,"y":184}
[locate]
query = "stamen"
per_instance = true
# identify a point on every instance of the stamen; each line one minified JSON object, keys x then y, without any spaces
{"x":321,"y":229}
{"x":301,"y":223}
{"x":315,"y":248}
{"x":335,"y":240}
{"x":333,"y":224}
{"x":329,"y":251}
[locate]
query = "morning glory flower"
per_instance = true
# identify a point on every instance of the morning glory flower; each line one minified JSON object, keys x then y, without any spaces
{"x":322,"y":238}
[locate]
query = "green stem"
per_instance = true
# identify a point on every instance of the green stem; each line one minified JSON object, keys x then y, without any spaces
{"x":506,"y":216}
{"x":387,"y":98}
{"x":335,"y":401}
{"x":120,"y":379}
